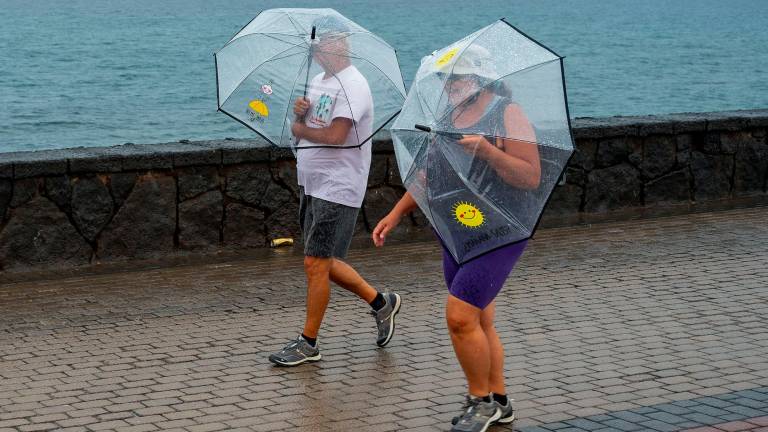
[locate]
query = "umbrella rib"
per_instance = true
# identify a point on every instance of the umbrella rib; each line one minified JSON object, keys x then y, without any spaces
{"x":510,"y":217}
{"x":565,"y":100}
{"x":248,"y":126}
{"x":259,"y":66}
{"x":431,"y":216}
{"x":283,"y":57}
{"x":269,"y":35}
{"x":423,"y":103}
{"x":357,"y":56}
{"x":538,"y":143}
{"x":306,"y":31}
{"x":372,"y":34}
{"x":526,"y":69}
{"x":303,"y":30}
{"x":413,"y":163}
{"x":504,"y":20}
{"x":354,"y":123}
{"x":266,"y":33}
{"x":274,"y":36}
{"x":295,"y":24}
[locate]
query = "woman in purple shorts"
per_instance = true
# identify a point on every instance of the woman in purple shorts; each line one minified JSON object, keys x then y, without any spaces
{"x":474,"y":285}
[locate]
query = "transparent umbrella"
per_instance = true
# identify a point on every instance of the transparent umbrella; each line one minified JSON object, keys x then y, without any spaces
{"x":285,"y":54}
{"x":484,"y":137}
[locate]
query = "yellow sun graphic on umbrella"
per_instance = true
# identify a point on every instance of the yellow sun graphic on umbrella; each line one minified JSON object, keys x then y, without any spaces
{"x":467,"y":214}
{"x":446,"y":58}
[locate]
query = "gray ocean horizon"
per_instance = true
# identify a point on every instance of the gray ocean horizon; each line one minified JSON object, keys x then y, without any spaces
{"x":92,"y":74}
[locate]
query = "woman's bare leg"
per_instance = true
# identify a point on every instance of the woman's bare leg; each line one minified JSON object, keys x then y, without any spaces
{"x":496,"y":374}
{"x":470,"y":344}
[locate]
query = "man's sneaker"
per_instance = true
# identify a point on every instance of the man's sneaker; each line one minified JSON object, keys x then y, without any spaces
{"x":385,"y":318}
{"x":507,"y":412}
{"x":477,"y":416}
{"x":295,"y":353}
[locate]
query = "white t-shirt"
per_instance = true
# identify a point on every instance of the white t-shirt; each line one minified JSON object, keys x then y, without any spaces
{"x":338,"y":175}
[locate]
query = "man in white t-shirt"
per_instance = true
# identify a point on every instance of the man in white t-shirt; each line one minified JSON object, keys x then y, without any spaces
{"x":333,"y":127}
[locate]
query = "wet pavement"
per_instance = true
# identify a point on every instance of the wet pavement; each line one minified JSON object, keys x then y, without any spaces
{"x":639,"y":325}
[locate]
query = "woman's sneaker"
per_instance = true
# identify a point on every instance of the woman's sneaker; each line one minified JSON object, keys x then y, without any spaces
{"x":477,"y":416}
{"x":507,"y":411}
{"x":295,"y":353}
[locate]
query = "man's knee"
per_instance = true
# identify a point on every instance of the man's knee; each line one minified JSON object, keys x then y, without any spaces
{"x":317,"y":266}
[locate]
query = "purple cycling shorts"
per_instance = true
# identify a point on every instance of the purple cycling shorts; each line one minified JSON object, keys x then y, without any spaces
{"x":477,"y":282}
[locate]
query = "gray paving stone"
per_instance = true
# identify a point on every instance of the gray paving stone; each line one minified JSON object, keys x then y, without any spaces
{"x":584,"y":424}
{"x":672,"y":408}
{"x":746,"y":412}
{"x":703,"y":419}
{"x":623,"y":425}
{"x":667,"y":417}
{"x":752,"y":403}
{"x":659,"y":426}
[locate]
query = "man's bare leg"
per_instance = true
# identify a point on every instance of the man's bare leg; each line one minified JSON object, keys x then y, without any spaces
{"x":318,"y":292}
{"x":346,"y":277}
{"x":385,"y":306}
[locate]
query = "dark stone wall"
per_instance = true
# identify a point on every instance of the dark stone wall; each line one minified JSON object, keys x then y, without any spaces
{"x":627,"y":167}
{"x":87,"y":205}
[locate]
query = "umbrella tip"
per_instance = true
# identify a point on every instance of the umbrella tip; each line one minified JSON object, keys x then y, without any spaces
{"x":423,"y":128}
{"x":313,"y":33}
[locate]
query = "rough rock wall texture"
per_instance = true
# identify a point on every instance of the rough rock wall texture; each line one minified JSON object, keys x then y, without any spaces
{"x":86,"y":205}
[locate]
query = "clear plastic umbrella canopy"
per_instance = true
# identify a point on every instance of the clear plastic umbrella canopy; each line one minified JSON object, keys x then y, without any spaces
{"x":283,"y":53}
{"x":483,"y":138}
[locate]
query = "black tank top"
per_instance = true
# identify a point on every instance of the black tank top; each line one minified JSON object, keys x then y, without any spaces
{"x":492,"y":121}
{"x":460,"y":180}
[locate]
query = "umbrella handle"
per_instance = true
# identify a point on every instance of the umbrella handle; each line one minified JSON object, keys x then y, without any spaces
{"x":454,"y":135}
{"x":306,"y":80}
{"x":309,"y":60}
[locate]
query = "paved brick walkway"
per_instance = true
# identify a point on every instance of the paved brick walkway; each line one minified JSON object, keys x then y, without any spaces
{"x":646,"y":325}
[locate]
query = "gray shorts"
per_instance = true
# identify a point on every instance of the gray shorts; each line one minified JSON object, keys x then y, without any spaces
{"x":326,"y":227}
